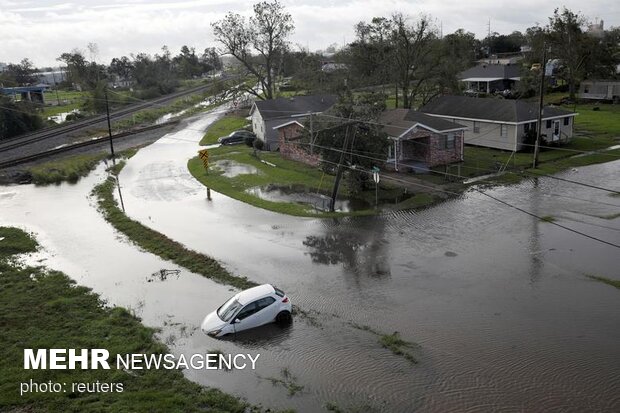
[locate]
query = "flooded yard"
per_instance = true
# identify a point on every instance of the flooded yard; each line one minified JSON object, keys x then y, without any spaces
{"x":498,"y":301}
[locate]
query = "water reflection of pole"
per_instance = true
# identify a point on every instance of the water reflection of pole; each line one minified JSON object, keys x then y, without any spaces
{"x":535,"y":248}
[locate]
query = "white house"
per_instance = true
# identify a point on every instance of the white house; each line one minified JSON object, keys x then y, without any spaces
{"x":268,"y":115}
{"x":502,"y":123}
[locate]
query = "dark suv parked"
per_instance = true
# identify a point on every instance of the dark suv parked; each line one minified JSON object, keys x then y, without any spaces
{"x":236,"y":137}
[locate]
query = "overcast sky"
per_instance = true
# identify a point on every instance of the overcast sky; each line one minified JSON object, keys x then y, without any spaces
{"x":42,"y":30}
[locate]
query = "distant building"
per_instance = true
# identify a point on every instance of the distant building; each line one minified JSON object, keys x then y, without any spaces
{"x":3,"y":66}
{"x":330,"y":66}
{"x":597,"y":29}
{"x":31,"y":93}
{"x":489,"y":78}
{"x":52,"y":78}
{"x":600,"y":90}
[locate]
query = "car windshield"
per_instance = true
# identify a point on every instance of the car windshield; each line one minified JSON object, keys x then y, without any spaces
{"x":229,"y":309}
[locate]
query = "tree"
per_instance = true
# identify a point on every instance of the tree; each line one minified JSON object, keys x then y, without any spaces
{"x":455,"y":53}
{"x":570,"y":44}
{"x":76,"y":65}
{"x":20,"y":74}
{"x":154,"y":75}
{"x":266,"y":34}
{"x":211,"y":59}
{"x":353,"y":120}
{"x":121,"y":67}
{"x":412,"y":55}
{"x":605,"y":56}
{"x":17,"y":118}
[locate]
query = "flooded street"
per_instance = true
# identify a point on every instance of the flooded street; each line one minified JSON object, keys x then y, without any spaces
{"x":498,"y":301}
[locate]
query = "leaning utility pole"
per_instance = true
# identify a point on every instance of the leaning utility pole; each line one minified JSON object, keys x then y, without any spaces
{"x":540,"y":105}
{"x":107,"y":110}
{"x":332,"y":204}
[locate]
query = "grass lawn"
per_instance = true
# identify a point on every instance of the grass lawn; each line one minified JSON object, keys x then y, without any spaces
{"x":594,"y":131}
{"x":601,"y":123}
{"x":285,"y":173}
{"x":69,"y":169}
{"x":223,"y":127}
{"x":288,"y":173}
{"x":41,"y":308}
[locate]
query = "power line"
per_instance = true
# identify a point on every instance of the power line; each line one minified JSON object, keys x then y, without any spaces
{"x":547,"y":221}
{"x":497,"y":200}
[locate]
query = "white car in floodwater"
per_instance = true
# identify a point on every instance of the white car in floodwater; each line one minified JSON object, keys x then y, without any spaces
{"x":250,"y":308}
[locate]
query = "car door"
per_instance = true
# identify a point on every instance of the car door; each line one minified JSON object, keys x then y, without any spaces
{"x":267,"y":310}
{"x":247,"y":317}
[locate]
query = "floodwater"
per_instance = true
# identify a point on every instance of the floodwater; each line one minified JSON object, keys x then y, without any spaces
{"x":497,"y":301}
{"x":230,"y":169}
{"x":302,"y":195}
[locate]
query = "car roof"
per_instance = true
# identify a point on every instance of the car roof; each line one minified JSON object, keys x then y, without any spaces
{"x":254,"y":293}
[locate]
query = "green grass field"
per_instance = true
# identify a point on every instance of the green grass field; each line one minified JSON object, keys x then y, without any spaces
{"x":222,"y":127}
{"x":41,"y":308}
{"x":285,"y":173}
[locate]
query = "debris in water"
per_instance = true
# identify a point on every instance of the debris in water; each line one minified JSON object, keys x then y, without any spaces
{"x":163,"y":274}
{"x":450,"y":254}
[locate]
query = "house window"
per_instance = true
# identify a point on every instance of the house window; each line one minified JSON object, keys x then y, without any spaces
{"x":566,"y":121}
{"x":526,"y":128}
{"x":503,"y":130}
{"x":476,"y":127}
{"x":450,"y":141}
{"x":548,"y":124}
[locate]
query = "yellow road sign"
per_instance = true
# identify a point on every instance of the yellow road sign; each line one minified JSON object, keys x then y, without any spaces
{"x":204,"y":155}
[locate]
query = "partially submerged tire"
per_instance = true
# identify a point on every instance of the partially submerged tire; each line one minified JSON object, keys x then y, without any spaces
{"x":284,"y":317}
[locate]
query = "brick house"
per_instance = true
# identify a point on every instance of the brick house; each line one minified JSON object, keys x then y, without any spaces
{"x":419,"y":141}
{"x":289,"y":135}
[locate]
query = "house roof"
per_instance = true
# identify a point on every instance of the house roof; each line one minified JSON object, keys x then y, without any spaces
{"x":298,"y":105}
{"x":291,"y":122}
{"x":490,"y":72}
{"x":500,"y":110}
{"x":398,"y":121}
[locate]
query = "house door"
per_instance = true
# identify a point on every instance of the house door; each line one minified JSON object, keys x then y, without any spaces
{"x":556,"y":130}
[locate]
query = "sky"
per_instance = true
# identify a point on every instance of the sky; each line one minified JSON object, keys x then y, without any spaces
{"x":43,"y":29}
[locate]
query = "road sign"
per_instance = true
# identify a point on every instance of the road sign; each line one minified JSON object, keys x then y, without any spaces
{"x":204,"y":155}
{"x":375,"y":176}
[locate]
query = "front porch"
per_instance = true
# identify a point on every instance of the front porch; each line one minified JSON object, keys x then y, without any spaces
{"x":409,"y":154}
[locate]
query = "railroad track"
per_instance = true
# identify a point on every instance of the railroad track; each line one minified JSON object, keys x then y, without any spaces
{"x":19,"y":141}
{"x":40,"y":155}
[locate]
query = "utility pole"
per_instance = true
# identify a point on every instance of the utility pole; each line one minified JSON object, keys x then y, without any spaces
{"x":332,"y":204}
{"x":540,"y":105}
{"x":311,"y":135}
{"x":56,"y":87}
{"x":107,"y":110}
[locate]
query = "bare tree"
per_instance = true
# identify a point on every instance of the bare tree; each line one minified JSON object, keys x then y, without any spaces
{"x":265,"y":33}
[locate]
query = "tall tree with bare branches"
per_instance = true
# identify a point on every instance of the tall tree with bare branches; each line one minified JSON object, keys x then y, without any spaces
{"x":258,"y":43}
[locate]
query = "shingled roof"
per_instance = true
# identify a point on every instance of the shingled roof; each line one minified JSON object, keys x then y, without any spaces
{"x":297,"y":105}
{"x":501,"y":110}
{"x":398,"y":121}
{"x":491,"y":72}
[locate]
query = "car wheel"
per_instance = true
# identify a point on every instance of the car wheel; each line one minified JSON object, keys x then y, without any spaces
{"x":284,"y":317}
